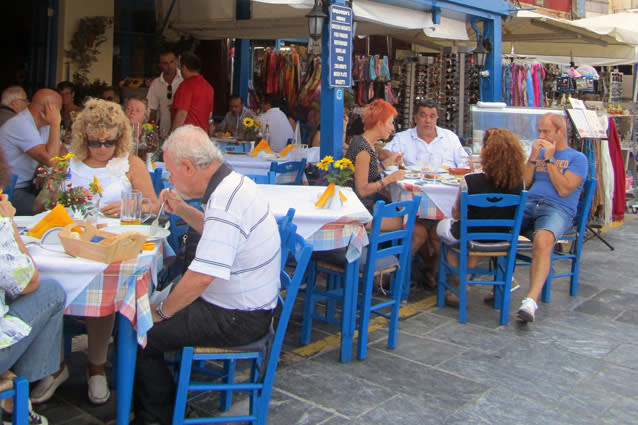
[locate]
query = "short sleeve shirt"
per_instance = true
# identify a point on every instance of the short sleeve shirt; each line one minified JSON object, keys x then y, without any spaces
{"x":158,"y":100}
{"x":279,"y":127}
{"x":542,"y":188}
{"x":17,"y":136}
{"x":446,"y":144}
{"x":196,"y":96}
{"x":240,"y":245}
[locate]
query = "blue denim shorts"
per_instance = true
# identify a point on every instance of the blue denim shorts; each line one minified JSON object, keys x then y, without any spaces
{"x":544,"y":215}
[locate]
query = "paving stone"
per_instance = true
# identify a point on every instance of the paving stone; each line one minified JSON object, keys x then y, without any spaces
{"x":506,"y":407}
{"x":588,"y":400}
{"x":628,"y":316}
{"x":588,"y":324}
{"x":471,"y":336}
{"x":493,"y":370}
{"x":609,"y":303}
{"x":421,"y":323}
{"x":624,"y":412}
{"x":405,"y":411}
{"x":284,"y":409}
{"x":418,"y":381}
{"x":618,"y":379}
{"x":340,"y":420}
{"x":624,"y":355}
{"x":327,"y":387}
{"x":422,"y":350}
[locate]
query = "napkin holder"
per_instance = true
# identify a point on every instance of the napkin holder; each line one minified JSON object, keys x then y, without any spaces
{"x":99,"y":245}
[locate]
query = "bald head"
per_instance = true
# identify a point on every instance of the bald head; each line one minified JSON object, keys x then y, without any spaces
{"x":41,"y":99}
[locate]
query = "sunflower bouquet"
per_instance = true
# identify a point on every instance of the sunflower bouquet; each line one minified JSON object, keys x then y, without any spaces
{"x":252,"y":129}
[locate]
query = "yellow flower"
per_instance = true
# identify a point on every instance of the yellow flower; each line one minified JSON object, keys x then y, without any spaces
{"x":324,"y":164}
{"x":95,"y":186}
{"x":344,"y":163}
{"x":148,"y":126}
{"x":63,"y":158}
{"x":248,"y":122}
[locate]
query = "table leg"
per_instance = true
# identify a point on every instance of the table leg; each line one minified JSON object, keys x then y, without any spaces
{"x":126,"y":356}
{"x":348,"y":321}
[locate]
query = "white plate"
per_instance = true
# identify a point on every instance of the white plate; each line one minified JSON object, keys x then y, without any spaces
{"x":158,"y":234}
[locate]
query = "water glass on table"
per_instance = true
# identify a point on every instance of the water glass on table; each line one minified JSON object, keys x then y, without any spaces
{"x":131,"y":208}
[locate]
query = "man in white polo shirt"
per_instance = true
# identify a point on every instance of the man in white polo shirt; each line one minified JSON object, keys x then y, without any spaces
{"x":227,"y":296}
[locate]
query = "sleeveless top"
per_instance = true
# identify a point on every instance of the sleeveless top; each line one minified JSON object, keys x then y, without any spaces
{"x":112,"y":178}
{"x":478,"y":183}
{"x":358,"y":144}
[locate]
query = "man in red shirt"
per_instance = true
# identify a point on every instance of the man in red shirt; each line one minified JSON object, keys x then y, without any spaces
{"x":193,"y":103}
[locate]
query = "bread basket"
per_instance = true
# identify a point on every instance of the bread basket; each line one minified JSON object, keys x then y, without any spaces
{"x":98,"y":245}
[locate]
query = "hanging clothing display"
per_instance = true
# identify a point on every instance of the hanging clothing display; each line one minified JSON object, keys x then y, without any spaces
{"x":523,"y":84}
{"x":618,"y":210}
{"x":371,"y":79}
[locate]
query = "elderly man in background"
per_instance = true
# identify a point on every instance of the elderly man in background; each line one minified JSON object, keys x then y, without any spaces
{"x":233,"y":120}
{"x":31,"y":138}
{"x":13,"y":101}
{"x":160,"y":94}
{"x":227,"y":295}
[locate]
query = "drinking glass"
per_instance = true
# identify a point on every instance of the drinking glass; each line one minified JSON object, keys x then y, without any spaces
{"x":131,"y":208}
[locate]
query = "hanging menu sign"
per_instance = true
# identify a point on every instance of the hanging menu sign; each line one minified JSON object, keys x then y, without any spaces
{"x":340,"y":45}
{"x":587,"y":124}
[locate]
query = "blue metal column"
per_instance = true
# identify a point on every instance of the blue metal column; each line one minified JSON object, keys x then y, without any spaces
{"x":331,"y":103}
{"x":491,"y":87}
{"x":242,"y":67}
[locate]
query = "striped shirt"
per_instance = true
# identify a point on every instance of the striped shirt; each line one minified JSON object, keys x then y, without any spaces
{"x":240,"y":245}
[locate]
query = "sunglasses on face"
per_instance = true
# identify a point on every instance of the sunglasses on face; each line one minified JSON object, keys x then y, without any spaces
{"x":97,"y":143}
{"x":169,"y":95}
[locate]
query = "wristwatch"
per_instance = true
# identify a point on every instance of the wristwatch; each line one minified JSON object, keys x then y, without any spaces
{"x":551,"y":160}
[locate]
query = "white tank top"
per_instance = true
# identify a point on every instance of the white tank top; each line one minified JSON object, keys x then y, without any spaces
{"x":112,"y":177}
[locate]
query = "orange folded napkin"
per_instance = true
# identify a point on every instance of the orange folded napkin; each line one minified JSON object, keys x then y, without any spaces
{"x":262,"y":145}
{"x":287,"y":149}
{"x":57,"y":217}
{"x":148,"y":246}
{"x":327,"y":194}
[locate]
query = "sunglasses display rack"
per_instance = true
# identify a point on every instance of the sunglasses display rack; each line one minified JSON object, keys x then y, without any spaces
{"x":449,"y":79}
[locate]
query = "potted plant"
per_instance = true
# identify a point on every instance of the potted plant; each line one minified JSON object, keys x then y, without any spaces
{"x":85,"y":41}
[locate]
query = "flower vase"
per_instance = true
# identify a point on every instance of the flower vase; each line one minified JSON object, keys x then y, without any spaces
{"x":335,"y":201}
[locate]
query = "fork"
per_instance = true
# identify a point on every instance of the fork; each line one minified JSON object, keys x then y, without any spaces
{"x":155,"y":223}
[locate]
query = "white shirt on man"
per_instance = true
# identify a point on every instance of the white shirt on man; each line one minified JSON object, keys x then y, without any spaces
{"x":157,"y":98}
{"x":240,"y":247}
{"x":415,"y":150}
{"x":17,"y":136}
{"x":279,"y":127}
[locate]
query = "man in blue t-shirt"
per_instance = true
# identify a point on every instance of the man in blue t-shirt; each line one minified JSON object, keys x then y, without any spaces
{"x":555,"y":174}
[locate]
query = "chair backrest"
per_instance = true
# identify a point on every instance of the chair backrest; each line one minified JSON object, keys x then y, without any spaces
{"x":263,"y":178}
{"x":11,"y":187}
{"x":395,"y":242}
{"x":491,"y":231}
{"x":584,"y":206}
{"x":284,"y":232}
{"x":290,"y":167}
{"x":156,"y":178}
{"x":295,"y":245}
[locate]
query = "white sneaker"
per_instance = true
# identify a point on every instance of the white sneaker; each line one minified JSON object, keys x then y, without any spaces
{"x":99,"y":392}
{"x":526,"y":311}
{"x":45,"y":389}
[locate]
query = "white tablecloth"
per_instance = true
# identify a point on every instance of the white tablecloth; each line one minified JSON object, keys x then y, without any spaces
{"x":443,"y":196}
{"x":309,"y":218}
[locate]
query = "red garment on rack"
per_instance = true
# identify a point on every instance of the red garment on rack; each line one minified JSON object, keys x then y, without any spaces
{"x":618,"y":208}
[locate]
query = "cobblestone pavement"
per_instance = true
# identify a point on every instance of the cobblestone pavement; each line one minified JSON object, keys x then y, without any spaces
{"x":577,"y":364}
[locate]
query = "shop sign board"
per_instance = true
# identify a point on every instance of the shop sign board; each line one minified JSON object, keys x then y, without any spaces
{"x":340,"y":45}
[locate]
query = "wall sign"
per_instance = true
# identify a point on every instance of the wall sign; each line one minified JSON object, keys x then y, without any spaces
{"x":340,"y":45}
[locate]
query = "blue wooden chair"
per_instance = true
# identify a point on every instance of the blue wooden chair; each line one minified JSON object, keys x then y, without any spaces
{"x":263,"y":354}
{"x":20,"y":394}
{"x":388,"y":253}
{"x":156,"y":178}
{"x":573,"y":255}
{"x":290,"y":167}
{"x":263,"y":178}
{"x":11,"y":187}
{"x":494,"y":238}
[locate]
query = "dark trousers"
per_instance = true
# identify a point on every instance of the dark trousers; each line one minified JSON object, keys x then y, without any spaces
{"x":199,"y":324}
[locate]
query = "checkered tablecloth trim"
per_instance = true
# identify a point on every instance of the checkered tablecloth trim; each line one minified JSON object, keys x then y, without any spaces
{"x":338,"y":235}
{"x":427,"y":208}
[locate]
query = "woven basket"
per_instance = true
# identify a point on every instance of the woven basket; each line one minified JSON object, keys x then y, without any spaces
{"x":110,"y":249}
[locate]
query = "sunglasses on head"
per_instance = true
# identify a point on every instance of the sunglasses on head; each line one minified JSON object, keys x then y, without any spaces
{"x":97,"y":143}
{"x":169,"y":95}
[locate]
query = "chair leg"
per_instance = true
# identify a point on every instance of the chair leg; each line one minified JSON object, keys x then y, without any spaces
{"x":573,"y":283}
{"x":21,"y":401}
{"x":442,"y":284}
{"x":309,"y":305}
{"x":364,"y":319}
{"x":349,"y":318}
{"x":547,"y":288}
{"x":226,"y":397}
{"x":506,"y":291}
{"x":462,"y":297}
{"x":399,"y":282}
{"x":182,"y":385}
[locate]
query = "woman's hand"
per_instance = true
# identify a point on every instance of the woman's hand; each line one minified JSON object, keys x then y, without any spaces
{"x":111,"y":210}
{"x":394,"y":158}
{"x":396,"y":176}
{"x":174,"y":203}
{"x":6,"y":209}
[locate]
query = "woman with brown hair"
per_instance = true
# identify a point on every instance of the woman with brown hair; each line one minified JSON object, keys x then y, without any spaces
{"x":503,"y":162}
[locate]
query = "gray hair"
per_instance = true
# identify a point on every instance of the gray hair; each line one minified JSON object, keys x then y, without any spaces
{"x":12,"y":93}
{"x":192,"y":143}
